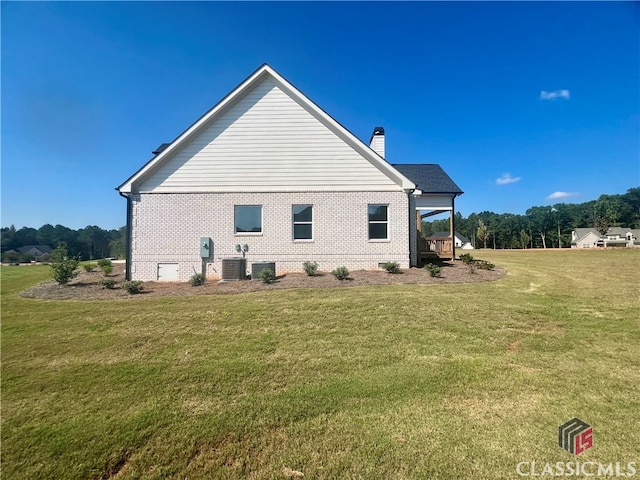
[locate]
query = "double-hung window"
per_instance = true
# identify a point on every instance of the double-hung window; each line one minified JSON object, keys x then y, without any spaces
{"x":303,"y":222}
{"x":378,"y":222}
{"x":248,"y":218}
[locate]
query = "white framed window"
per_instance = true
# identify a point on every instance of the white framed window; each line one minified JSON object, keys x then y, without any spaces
{"x":302,"y":222}
{"x":378,"y":222}
{"x":248,"y":219}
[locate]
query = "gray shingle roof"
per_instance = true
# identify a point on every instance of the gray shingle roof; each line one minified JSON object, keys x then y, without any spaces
{"x":428,"y":177}
{"x":443,"y":234}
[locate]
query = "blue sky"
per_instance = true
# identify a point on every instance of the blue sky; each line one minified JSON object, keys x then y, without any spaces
{"x":517,"y":101}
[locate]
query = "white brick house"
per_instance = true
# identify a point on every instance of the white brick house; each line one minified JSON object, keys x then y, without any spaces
{"x":269,"y":169}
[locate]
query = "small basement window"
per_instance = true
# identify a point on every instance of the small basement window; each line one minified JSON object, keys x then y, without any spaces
{"x":248,"y":218}
{"x":303,"y":222}
{"x":378,"y":222}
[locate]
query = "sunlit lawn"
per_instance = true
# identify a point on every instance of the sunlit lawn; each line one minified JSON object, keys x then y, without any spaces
{"x":437,"y":381}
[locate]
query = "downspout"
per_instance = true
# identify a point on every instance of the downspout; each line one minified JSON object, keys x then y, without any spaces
{"x":127,"y":254}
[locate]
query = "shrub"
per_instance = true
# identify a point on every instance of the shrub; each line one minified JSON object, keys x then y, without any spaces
{"x":434,"y":270}
{"x":106,"y":269}
{"x":391,"y":267}
{"x":341,"y":273}
{"x":197,"y":280}
{"x":88,"y":266}
{"x":484,"y":265}
{"x":62,"y":265}
{"x":266,"y":275}
{"x":105,"y":262}
{"x":466,"y":258}
{"x":109,"y":283}
{"x":310,"y":268}
{"x":133,"y":287}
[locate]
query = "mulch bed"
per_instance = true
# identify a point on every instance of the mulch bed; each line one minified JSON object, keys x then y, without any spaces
{"x":87,"y":285}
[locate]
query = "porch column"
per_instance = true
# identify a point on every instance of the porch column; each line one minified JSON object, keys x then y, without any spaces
{"x":452,"y":229}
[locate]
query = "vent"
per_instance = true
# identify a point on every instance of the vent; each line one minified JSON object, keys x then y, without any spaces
{"x":257,"y":267}
{"x":234,"y":269}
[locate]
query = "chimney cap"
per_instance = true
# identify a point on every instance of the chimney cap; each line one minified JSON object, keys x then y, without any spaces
{"x":376,"y":132}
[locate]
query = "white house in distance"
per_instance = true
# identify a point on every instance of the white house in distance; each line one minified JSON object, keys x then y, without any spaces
{"x":269,"y":172}
{"x":459,"y":240}
{"x":615,"y":237}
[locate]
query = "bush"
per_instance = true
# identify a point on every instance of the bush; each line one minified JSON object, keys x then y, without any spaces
{"x":310,"y":268}
{"x":341,"y":273}
{"x":484,"y":265}
{"x":62,"y":265}
{"x":106,"y":269}
{"x":109,"y":283}
{"x":88,"y":266}
{"x":197,"y":280}
{"x":434,"y":270}
{"x":391,"y":267}
{"x":466,"y":258}
{"x":105,"y":262}
{"x":133,"y":287}
{"x":266,"y":275}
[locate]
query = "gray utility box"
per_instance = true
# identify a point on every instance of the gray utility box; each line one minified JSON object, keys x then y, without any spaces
{"x":234,"y":268}
{"x":205,"y":247}
{"x":257,"y":267}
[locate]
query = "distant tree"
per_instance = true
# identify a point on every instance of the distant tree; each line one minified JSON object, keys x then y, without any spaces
{"x":47,"y":235}
{"x":541,"y":221}
{"x":483,"y":232}
{"x":118,"y":243}
{"x":525,"y":238}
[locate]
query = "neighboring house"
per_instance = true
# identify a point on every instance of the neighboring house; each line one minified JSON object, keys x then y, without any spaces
{"x":36,"y":250}
{"x":615,"y":237}
{"x":268,"y":169}
{"x":460,"y":241}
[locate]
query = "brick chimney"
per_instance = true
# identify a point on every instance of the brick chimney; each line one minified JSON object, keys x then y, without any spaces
{"x":377,"y":141}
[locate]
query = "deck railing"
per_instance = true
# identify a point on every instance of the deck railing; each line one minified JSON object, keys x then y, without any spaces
{"x":437,"y":244}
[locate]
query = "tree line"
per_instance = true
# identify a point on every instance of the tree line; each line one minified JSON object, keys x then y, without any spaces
{"x":544,"y":226}
{"x":88,"y":243}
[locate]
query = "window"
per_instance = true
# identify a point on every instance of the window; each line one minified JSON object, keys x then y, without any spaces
{"x":303,"y":222}
{"x":248,"y":218}
{"x":378,"y":222}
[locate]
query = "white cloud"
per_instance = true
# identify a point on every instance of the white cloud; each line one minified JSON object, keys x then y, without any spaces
{"x":557,"y":195}
{"x":544,"y":95}
{"x":506,"y":178}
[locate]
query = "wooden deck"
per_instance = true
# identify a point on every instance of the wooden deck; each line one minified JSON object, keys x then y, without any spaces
{"x":435,"y":247}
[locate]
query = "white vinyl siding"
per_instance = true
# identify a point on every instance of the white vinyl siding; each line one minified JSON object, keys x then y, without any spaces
{"x":266,"y":142}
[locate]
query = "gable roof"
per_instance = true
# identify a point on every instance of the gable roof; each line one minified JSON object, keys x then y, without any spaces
{"x":164,"y":152}
{"x":429,"y":178}
{"x":443,"y":234}
{"x":28,"y":248}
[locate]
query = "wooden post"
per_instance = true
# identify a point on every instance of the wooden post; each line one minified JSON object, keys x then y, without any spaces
{"x":452,"y":228}
{"x":418,"y":237}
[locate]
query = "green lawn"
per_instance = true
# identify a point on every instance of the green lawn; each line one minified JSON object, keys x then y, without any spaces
{"x":434,"y":382}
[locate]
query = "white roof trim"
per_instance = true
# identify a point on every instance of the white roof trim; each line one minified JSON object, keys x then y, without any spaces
{"x":239,"y":92}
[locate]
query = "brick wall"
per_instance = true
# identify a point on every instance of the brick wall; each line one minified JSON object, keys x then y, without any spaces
{"x":166,"y":228}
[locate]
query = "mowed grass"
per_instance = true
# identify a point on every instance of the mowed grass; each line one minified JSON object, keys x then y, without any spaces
{"x":398,"y":382}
